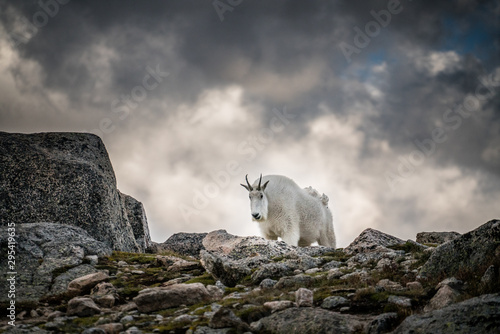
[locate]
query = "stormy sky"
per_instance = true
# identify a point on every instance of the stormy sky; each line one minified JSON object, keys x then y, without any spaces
{"x":391,"y":108}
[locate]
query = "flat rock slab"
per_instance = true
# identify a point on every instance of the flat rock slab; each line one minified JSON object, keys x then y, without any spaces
{"x":175,"y":295}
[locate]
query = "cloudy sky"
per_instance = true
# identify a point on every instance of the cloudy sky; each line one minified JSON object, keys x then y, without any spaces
{"x":391,"y":108}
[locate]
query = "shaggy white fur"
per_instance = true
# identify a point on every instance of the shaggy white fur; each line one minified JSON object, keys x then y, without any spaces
{"x":298,"y":216}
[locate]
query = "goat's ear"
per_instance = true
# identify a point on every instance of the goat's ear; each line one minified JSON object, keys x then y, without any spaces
{"x":244,"y":186}
{"x":265,"y":185}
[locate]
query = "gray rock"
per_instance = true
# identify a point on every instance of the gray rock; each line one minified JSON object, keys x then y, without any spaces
{"x":294,"y":281}
{"x":389,"y":285}
{"x":490,"y":279}
{"x":44,"y":249}
{"x":272,"y":270}
{"x":267,"y":283}
{"x":60,"y":284}
{"x":331,"y":265}
{"x":239,"y":248}
{"x":154,"y":299}
{"x":399,"y":300}
{"x":208,"y":330}
{"x":383,"y":323}
{"x":137,"y":218}
{"x":82,"y":307}
{"x":189,"y":244}
{"x":224,"y":317}
{"x":332,"y":302}
{"x":114,"y":327}
{"x":304,"y":297}
{"x":278,"y":305}
{"x":474,"y":250}
{"x":84,"y":284}
{"x":64,"y":178}
{"x":94,"y":330}
{"x":371,"y":240}
{"x":310,"y":321}
{"x":436,"y":237}
{"x":479,"y":315}
{"x":445,"y":296}
{"x":222,"y":268}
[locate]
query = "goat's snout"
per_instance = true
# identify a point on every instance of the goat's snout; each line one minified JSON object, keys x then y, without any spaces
{"x":256,"y":215}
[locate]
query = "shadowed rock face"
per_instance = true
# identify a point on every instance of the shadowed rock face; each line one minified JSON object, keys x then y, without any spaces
{"x":67,"y":178}
{"x":474,"y":251}
{"x":476,"y":315}
{"x":42,"y":250}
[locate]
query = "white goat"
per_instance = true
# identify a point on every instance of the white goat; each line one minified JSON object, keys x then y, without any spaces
{"x":282,"y":209}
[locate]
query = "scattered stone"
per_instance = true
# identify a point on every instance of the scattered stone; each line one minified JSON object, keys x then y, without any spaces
{"x":414,"y":286}
{"x":474,"y":250}
{"x":292,"y":281}
{"x":451,"y":282}
{"x":94,"y":330}
{"x":267,"y":283}
{"x":399,"y":300}
{"x":84,"y":284}
{"x":224,"y":317}
{"x":112,"y":328}
{"x":82,"y":307}
{"x":279,"y":305}
{"x":436,"y":237}
{"x":445,"y":296}
{"x":91,"y":259}
{"x":304,"y":297}
{"x":389,"y":285}
{"x":154,"y":299}
{"x":222,"y":268}
{"x":331,"y":265}
{"x":332,"y":302}
{"x":490,"y":279}
{"x":383,"y":323}
{"x":335,"y":274}
{"x":216,"y":292}
{"x":271,"y":270}
{"x":479,"y":315}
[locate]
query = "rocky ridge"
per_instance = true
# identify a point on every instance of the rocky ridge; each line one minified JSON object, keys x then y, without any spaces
{"x":379,"y":284}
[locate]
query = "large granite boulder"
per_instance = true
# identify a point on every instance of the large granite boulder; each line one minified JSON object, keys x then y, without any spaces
{"x":477,"y":315}
{"x":474,"y":251}
{"x":48,"y":257}
{"x":67,"y":178}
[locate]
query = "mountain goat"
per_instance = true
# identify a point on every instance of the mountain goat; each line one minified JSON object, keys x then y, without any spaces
{"x":282,"y":209}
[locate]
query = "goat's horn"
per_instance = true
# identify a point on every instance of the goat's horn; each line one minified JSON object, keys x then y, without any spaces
{"x":249,"y":186}
{"x":260,"y":180}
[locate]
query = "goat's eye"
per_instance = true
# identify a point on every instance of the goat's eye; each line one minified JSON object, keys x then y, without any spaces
{"x":261,"y":196}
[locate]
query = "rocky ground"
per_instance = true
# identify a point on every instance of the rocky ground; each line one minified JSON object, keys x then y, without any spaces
{"x":219,"y":283}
